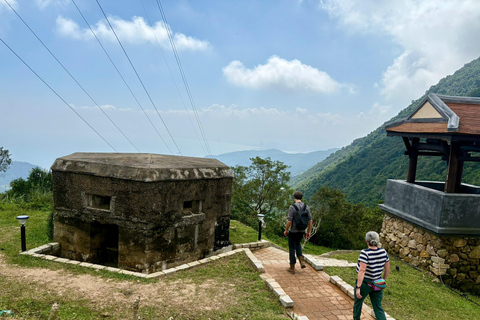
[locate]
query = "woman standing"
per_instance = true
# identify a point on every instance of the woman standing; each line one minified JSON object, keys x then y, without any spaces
{"x":370,"y":265}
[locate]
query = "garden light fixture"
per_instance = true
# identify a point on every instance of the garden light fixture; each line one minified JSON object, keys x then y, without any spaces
{"x":22,"y":220}
{"x":260,"y":222}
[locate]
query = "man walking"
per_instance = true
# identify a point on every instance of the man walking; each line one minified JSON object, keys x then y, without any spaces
{"x":299,"y":218}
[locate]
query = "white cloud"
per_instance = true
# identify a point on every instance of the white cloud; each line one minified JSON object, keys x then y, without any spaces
{"x":282,"y":75}
{"x":436,"y":37}
{"x":136,"y":31}
{"x":4,"y":6}
{"x":42,"y":4}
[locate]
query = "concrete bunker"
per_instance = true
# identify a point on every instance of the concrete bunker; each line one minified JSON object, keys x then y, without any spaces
{"x":140,"y":212}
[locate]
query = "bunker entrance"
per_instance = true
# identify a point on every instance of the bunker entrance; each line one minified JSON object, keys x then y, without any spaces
{"x":104,"y":244}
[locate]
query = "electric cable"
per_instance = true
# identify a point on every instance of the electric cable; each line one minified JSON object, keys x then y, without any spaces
{"x":57,"y":94}
{"x":120,"y":74}
{"x":171,"y":75}
{"x":71,"y":76}
{"x":179,"y":64}
{"x":141,"y":82}
{"x":187,"y":88}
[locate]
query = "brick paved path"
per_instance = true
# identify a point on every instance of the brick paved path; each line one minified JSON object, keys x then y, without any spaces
{"x":313,"y":295}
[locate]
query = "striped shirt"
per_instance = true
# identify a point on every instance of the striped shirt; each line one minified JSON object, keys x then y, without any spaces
{"x":375,"y":260}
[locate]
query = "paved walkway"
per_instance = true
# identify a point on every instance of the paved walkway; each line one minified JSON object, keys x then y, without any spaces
{"x":313,"y":295}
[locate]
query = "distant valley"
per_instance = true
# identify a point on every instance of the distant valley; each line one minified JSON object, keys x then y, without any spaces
{"x":298,"y":162}
{"x":17,"y":169}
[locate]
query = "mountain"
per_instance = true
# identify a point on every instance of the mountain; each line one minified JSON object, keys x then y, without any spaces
{"x":17,"y":169}
{"x":361,"y":169}
{"x":298,"y":162}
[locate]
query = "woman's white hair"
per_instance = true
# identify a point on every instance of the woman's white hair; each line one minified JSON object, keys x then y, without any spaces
{"x":372,"y":238}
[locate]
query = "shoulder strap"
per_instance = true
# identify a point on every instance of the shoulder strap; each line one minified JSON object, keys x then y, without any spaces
{"x":295,"y":207}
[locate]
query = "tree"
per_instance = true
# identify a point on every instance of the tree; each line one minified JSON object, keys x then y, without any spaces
{"x":4,"y":160}
{"x":260,"y":188}
{"x":344,"y":224}
{"x":38,"y":180}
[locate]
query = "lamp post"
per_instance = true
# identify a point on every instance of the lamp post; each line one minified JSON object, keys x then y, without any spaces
{"x":22,"y":220}
{"x":260,"y":222}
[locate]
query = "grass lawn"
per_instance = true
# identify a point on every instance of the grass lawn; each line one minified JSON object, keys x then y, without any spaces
{"x":411,"y":294}
{"x":227,"y":288}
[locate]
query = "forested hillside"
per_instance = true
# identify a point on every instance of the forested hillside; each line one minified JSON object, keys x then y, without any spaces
{"x":361,"y":169}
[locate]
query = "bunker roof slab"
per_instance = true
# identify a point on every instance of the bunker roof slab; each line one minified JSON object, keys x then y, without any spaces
{"x":145,"y":167}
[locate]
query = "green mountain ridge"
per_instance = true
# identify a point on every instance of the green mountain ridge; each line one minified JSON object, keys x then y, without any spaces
{"x":361,"y":169}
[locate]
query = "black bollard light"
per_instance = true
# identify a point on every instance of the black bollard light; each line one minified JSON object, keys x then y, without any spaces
{"x":260,"y":222}
{"x":23,"y":220}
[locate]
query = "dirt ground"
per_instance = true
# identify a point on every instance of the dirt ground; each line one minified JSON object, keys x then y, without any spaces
{"x":108,"y":293}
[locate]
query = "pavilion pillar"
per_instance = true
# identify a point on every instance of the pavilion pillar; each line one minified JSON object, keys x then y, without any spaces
{"x":413,"y":159}
{"x":454,"y":170}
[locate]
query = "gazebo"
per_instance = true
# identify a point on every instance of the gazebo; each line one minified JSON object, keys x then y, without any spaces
{"x":447,"y":127}
{"x":435,"y":225}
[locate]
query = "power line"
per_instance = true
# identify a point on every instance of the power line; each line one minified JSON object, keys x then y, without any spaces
{"x":138,"y":76}
{"x":171,"y":75}
{"x":183,"y":75}
{"x":56,"y":93}
{"x":120,"y":74}
{"x":64,"y":68}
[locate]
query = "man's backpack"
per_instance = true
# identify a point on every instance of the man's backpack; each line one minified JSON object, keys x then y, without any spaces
{"x":301,"y":218}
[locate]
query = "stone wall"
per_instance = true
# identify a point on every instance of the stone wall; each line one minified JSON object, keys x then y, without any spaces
{"x":455,"y":259}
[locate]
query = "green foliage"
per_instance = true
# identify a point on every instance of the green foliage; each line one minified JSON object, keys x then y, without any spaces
{"x":361,"y":169}
{"x":4,"y":160}
{"x":343,"y":225}
{"x":36,"y":189}
{"x":260,"y":188}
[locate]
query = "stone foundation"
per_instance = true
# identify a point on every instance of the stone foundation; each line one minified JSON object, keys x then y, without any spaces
{"x":455,"y":259}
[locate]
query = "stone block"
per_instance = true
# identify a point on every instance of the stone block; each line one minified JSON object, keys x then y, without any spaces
{"x":272,"y":285}
{"x":438,"y":271}
{"x":461,"y":276}
{"x":454,"y":258}
{"x":97,"y":266}
{"x":475,"y":254}
{"x":442,"y":253}
{"x":155,"y":275}
{"x":259,"y":267}
{"x":424,"y":254}
{"x":438,"y":260}
{"x":460,"y":243}
{"x":431,"y":250}
{"x":193,"y":264}
{"x":335,"y":279}
{"x":168,"y":271}
{"x":183,"y":267}
{"x":286,"y":301}
{"x":278,"y":292}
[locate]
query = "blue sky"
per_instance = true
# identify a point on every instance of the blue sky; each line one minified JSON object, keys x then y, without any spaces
{"x":298,"y":76}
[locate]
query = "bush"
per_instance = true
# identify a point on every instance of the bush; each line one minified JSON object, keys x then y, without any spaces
{"x":36,"y":189}
{"x":343,"y":225}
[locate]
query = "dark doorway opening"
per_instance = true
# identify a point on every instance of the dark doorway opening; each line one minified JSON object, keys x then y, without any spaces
{"x":104,"y":244}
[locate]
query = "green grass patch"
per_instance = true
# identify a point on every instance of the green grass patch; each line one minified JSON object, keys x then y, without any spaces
{"x":247,"y":296}
{"x":411,"y":294}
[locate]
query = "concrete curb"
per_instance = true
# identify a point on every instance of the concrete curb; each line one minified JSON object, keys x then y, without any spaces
{"x":43,"y":253}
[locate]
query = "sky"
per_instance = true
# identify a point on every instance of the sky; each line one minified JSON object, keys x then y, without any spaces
{"x":299,"y":76}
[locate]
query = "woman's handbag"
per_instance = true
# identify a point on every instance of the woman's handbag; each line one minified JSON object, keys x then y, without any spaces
{"x":377,"y":285}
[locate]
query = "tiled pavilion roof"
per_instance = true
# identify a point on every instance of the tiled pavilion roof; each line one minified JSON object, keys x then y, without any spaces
{"x":439,"y":114}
